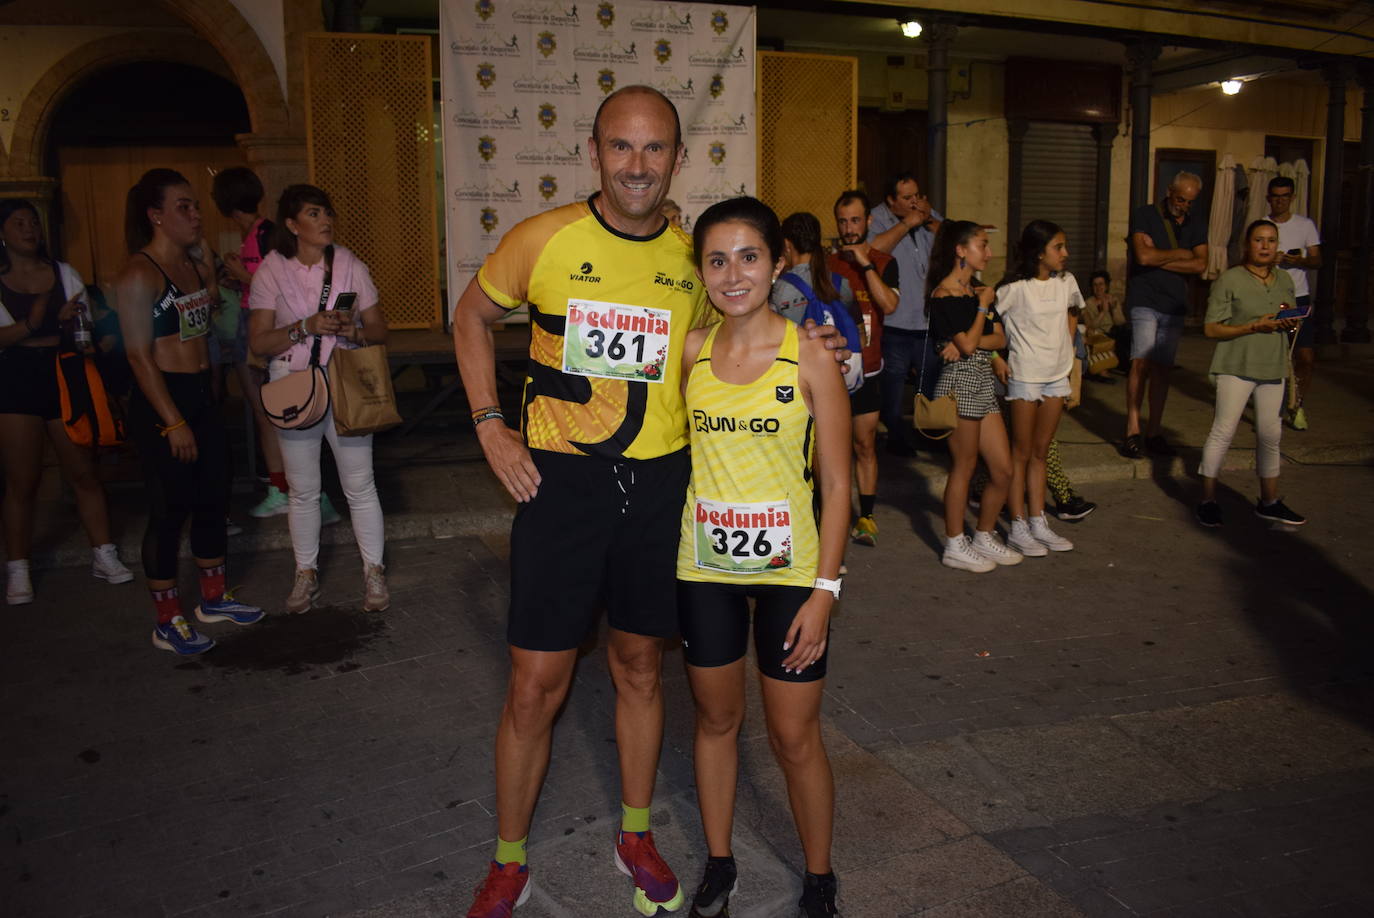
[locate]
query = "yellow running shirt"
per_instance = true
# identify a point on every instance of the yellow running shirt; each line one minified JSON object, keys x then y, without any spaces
{"x":748,"y":517}
{"x":608,"y":315}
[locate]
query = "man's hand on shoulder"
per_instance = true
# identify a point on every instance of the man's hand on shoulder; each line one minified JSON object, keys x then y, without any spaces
{"x":830,"y":335}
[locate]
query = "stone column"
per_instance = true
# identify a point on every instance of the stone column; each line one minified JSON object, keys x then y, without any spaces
{"x":938,"y":37}
{"x":1324,"y":308}
{"x":1358,"y":302}
{"x":1140,"y":60}
{"x":279,"y":160}
{"x":1105,"y":136}
{"x":1016,"y":147}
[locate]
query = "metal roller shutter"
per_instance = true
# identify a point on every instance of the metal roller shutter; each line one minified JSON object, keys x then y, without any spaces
{"x":1059,"y":169}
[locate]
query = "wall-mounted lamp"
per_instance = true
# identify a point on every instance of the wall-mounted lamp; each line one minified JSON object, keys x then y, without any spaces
{"x":1231,"y":87}
{"x":910,"y":28}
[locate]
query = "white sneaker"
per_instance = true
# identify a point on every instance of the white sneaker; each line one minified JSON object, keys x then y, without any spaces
{"x":18,"y":588}
{"x":105,"y":565}
{"x":1021,"y":539}
{"x":960,"y":554}
{"x":1041,"y":532}
{"x":989,"y":546}
{"x":305,"y":592}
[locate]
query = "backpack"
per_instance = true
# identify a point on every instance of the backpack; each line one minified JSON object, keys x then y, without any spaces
{"x":835,"y":314}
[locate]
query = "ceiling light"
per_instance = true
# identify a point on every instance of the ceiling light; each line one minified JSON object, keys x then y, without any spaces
{"x":1231,"y":87}
{"x":911,"y":28}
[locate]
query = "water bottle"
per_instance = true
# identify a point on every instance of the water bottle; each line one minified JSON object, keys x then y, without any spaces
{"x":81,"y":331}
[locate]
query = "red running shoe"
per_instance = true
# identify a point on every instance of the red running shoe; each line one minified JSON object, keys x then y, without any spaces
{"x":506,"y":886}
{"x":655,"y":885}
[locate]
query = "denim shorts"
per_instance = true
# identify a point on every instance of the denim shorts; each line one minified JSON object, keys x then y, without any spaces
{"x":1038,"y":391}
{"x":1154,"y":335}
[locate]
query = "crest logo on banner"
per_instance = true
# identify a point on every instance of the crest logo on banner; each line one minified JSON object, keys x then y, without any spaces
{"x":663,"y":50}
{"x":548,"y":115}
{"x":717,"y":85}
{"x":488,"y":220}
{"x":486,"y":148}
{"x":716,"y":151}
{"x":486,"y":75}
{"x":719,"y":21}
{"x":546,"y":43}
{"x":485,"y":9}
{"x":606,"y":80}
{"x":548,"y":186}
{"x":605,"y":14}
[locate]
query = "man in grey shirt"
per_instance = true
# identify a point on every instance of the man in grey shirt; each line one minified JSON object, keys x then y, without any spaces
{"x":904,"y":227}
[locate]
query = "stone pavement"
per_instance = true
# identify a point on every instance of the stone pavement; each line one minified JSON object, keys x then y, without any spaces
{"x":1166,"y":721}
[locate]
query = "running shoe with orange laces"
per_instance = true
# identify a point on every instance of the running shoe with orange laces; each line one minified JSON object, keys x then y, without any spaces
{"x":506,"y":886}
{"x":655,"y":885}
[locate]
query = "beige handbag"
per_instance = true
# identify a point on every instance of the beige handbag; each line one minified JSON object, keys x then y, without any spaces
{"x":1101,"y":352}
{"x":936,"y":414}
{"x":362,"y":394}
{"x":299,"y":400}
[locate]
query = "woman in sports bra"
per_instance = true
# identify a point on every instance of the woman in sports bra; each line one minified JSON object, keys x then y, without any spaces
{"x":37,"y":295}
{"x":762,"y":400}
{"x":164,"y":310}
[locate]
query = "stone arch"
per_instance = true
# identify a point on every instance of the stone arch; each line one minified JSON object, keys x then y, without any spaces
{"x":239,"y":57}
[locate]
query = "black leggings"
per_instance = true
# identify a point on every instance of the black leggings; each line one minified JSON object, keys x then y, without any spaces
{"x":175,"y":489}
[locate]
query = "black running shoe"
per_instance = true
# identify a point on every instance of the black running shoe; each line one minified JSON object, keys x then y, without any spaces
{"x":1278,"y":512}
{"x":1209,"y":514}
{"x":717,"y":885}
{"x":818,"y":897}
{"x":1075,"y":508}
{"x":1133,"y":447}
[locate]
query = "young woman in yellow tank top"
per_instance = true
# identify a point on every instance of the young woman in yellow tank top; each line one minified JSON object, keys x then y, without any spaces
{"x":767,"y":411}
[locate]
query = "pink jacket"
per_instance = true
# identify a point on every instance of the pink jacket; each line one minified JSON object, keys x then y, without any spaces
{"x":293,"y":291}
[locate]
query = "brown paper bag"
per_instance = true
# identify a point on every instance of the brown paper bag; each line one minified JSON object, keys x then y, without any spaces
{"x":360,"y":388}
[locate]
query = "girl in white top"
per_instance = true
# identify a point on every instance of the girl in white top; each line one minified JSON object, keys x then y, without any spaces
{"x":1039,"y":303}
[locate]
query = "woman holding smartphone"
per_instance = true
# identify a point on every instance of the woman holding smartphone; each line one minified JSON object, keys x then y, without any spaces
{"x":286,"y":320}
{"x":1249,"y":365}
{"x":38,"y":295}
{"x":749,"y":533}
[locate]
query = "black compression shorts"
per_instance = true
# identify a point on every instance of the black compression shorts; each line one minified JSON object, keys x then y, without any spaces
{"x":714,"y":618}
{"x":598,"y":534}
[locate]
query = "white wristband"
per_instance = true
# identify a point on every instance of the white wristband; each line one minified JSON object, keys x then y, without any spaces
{"x":831,"y":585}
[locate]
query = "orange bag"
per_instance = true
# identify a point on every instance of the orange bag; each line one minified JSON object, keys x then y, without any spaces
{"x":88,"y":416}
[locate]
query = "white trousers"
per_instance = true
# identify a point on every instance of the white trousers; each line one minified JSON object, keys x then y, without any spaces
{"x":1232,"y":394}
{"x":300,"y":454}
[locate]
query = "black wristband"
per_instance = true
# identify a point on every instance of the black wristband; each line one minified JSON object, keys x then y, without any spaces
{"x":867,"y":267}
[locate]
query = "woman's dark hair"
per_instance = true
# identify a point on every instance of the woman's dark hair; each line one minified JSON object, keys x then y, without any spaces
{"x":750,"y":211}
{"x":944,"y":252}
{"x":803,"y":230}
{"x":150,"y":192}
{"x":8,"y":208}
{"x":237,"y":188}
{"x":1034,"y":238}
{"x":293,"y":200}
{"x":1250,"y":230}
{"x":1102,"y":274}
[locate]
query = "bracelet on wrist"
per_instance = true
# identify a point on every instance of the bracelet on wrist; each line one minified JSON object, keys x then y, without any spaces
{"x":477,"y":411}
{"x":171,"y":427}
{"x":490,"y":414}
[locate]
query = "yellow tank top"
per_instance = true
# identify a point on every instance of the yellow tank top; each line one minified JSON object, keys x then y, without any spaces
{"x":748,"y":517}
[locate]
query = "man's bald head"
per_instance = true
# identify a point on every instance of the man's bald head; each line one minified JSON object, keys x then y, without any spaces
{"x":638,"y":94}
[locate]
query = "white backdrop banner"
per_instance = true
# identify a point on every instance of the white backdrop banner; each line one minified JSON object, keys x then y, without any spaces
{"x":521,"y":82}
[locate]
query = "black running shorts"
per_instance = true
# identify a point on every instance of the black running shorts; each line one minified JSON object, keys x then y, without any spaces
{"x":598,"y":534}
{"x":714,"y":618}
{"x":868,"y":398}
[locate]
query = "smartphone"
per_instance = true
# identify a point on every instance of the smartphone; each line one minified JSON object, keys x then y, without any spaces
{"x":1295,"y":251}
{"x":1294,"y":312}
{"x":344,"y":306}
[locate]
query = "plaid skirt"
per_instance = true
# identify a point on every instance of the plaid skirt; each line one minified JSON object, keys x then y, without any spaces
{"x":970,"y":379}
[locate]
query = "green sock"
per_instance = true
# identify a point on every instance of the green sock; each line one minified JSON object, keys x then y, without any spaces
{"x":510,"y":852}
{"x":633,"y":818}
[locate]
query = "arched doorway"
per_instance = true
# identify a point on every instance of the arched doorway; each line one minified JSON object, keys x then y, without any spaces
{"x":118,"y":123}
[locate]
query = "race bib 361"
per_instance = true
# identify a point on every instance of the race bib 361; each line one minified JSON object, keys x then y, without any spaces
{"x":615,"y":341}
